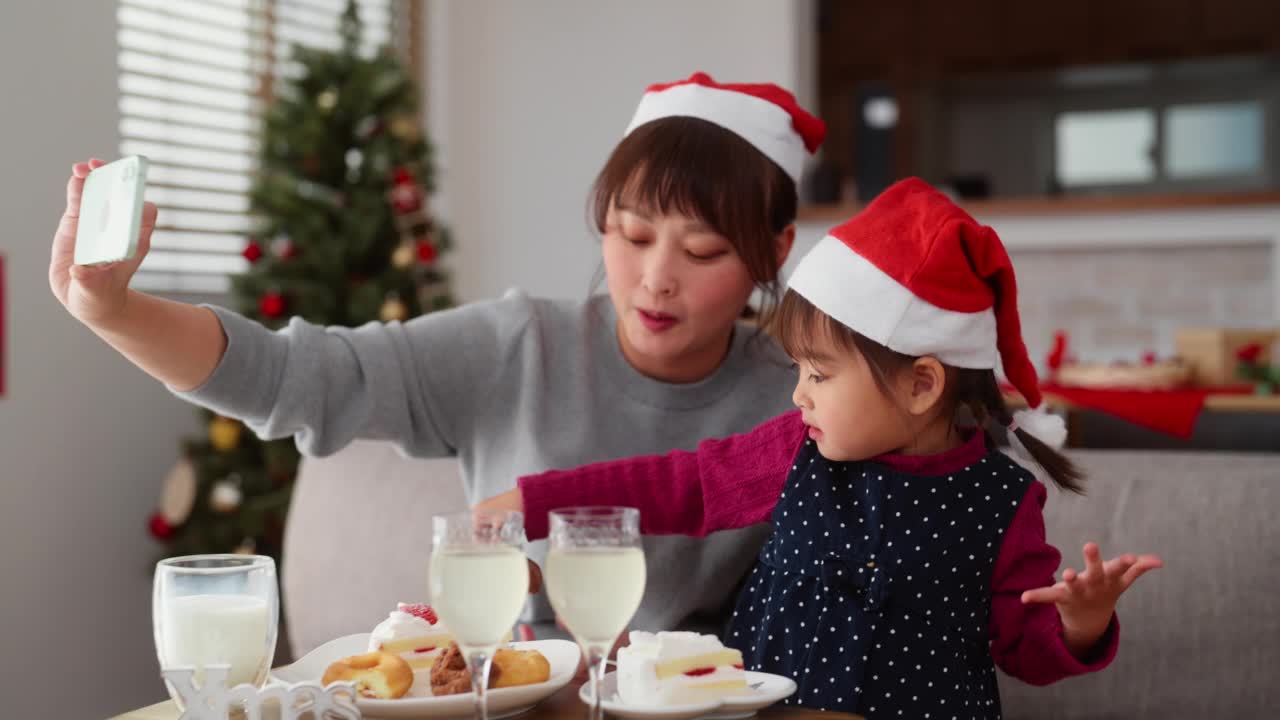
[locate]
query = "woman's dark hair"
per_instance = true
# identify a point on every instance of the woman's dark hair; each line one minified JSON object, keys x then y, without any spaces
{"x":699,"y":169}
{"x":798,"y":322}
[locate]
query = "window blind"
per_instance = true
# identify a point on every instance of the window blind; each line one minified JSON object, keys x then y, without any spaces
{"x":194,"y":79}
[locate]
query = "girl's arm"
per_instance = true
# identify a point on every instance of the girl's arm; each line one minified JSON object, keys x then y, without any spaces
{"x":724,"y":484}
{"x":1027,"y":640}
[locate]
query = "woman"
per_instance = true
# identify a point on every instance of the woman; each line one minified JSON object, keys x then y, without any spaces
{"x":696,"y":209}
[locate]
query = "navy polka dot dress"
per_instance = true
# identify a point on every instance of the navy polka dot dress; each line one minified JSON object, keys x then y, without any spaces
{"x":873,"y":593}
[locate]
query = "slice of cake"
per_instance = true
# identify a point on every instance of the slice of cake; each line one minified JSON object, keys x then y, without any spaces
{"x":414,"y":633}
{"x":678,"y":668}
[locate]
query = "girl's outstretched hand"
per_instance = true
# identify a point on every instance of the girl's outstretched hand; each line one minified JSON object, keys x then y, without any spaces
{"x":1087,"y":600}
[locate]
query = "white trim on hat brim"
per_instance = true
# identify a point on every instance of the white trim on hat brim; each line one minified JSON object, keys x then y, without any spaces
{"x":861,"y":296}
{"x":763,"y":124}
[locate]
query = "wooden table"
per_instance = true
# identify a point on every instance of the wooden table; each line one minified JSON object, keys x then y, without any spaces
{"x":564,"y":704}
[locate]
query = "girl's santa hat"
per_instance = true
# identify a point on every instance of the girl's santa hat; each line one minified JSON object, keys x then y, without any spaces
{"x":917,"y":274}
{"x":763,"y":114}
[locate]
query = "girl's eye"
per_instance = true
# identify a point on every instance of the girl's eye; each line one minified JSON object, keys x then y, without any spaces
{"x":816,"y":378}
{"x":707,"y":256}
{"x":636,"y":241}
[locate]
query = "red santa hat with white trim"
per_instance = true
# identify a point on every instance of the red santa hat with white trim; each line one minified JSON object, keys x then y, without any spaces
{"x":917,"y":274}
{"x":763,"y":114}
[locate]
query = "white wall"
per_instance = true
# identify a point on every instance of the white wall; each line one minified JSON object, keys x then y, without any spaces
{"x":84,"y":437}
{"x":527,"y":99}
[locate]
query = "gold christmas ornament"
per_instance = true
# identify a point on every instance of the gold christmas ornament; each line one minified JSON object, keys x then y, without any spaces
{"x":404,"y":127}
{"x":393,"y":309}
{"x":224,"y":433}
{"x":404,"y":256}
{"x":225,"y":496}
{"x":178,"y":493}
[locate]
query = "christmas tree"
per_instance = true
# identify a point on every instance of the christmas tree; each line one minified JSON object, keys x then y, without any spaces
{"x":342,"y":237}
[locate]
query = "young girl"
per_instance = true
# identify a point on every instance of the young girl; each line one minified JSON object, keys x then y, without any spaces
{"x":695,"y":206}
{"x":907,"y":553}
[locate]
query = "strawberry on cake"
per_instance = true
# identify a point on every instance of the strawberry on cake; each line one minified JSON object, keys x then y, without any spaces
{"x":413,"y":632}
{"x":678,"y":668}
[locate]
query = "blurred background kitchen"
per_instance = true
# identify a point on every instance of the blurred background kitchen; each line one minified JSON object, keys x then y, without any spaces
{"x":1127,"y":151}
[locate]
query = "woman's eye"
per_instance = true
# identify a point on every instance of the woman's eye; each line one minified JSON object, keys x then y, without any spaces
{"x":707,"y":256}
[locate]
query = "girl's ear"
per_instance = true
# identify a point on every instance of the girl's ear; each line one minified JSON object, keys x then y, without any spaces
{"x":926,"y":381}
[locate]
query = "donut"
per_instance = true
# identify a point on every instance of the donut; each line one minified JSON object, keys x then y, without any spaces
{"x":376,"y":674}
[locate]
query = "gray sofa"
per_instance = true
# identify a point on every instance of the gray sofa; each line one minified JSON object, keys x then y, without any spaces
{"x":1199,"y":638}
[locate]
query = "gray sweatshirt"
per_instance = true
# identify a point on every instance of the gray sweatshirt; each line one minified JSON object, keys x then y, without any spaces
{"x":511,"y":387}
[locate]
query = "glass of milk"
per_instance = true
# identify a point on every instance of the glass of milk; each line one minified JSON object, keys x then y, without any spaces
{"x":216,"y":610}
{"x":595,"y":580}
{"x":479,"y":581}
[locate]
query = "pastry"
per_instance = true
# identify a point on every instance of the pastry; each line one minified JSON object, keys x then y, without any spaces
{"x":376,"y":675}
{"x":510,"y":668}
{"x":678,"y":668}
{"x":414,"y":633}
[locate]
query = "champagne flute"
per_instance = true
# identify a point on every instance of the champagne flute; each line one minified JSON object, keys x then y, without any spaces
{"x":595,"y":580}
{"x":216,"y":610}
{"x":479,"y":583}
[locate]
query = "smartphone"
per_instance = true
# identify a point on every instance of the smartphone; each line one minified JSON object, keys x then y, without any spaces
{"x":111,"y":212}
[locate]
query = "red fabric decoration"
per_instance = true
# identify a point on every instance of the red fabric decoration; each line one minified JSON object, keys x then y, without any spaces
{"x":272,"y":305}
{"x":252,"y":252}
{"x":810,"y":129}
{"x":426,"y":252}
{"x":1173,"y":412}
{"x":159,"y":528}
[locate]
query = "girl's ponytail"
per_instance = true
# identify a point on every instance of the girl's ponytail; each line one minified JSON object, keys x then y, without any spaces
{"x":979,"y":391}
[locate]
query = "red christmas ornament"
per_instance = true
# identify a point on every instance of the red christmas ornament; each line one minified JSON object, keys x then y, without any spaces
{"x":252,"y":252}
{"x":1148,"y":358}
{"x":406,"y":196}
{"x":1249,"y":353}
{"x":426,"y":252}
{"x":272,"y":305}
{"x":159,"y":528}
{"x":405,"y":199}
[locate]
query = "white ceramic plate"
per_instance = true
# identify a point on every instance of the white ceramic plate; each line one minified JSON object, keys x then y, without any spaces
{"x":769,"y":690}
{"x":503,"y":702}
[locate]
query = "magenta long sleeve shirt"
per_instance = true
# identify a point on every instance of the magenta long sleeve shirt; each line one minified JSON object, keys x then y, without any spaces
{"x":735,"y":482}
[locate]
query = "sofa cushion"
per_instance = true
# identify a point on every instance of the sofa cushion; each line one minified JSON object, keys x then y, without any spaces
{"x":1201,"y":636}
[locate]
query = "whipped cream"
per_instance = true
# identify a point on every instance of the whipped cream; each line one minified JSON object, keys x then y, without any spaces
{"x":401,"y":625}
